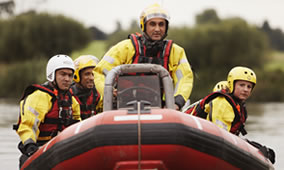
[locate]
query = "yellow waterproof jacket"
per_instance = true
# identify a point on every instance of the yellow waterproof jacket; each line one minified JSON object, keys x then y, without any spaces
{"x":33,"y":110}
{"x":99,"y":106}
{"x":220,"y":112}
{"x":123,"y":52}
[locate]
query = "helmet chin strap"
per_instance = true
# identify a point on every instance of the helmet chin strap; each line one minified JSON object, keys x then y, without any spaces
{"x":147,"y":38}
{"x":236,"y":98}
{"x":83,"y":90}
{"x":82,"y":87}
{"x":55,"y":85}
{"x":152,"y":47}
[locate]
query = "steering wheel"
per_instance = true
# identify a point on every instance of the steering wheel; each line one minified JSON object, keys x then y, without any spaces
{"x":150,"y":91}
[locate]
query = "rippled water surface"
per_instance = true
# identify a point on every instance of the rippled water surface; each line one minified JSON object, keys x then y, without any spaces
{"x":265,"y":125}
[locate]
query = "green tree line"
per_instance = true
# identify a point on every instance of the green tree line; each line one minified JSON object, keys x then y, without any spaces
{"x":32,"y":35}
{"x":213,"y":46}
{"x":28,"y":40}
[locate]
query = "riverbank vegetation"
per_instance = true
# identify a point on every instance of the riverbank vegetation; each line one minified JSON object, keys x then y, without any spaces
{"x":213,"y":46}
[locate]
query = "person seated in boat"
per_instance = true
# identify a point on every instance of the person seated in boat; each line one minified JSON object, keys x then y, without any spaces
{"x":84,"y":88}
{"x":220,"y":86}
{"x":151,"y":47}
{"x":47,"y":109}
{"x":225,"y":107}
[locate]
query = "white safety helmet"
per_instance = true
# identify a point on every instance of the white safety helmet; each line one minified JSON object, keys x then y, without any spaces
{"x":58,"y":62}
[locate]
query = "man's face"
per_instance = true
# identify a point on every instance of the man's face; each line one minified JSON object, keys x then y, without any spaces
{"x":156,"y":28}
{"x":64,"y":78}
{"x":243,"y":89}
{"x":87,"y":77}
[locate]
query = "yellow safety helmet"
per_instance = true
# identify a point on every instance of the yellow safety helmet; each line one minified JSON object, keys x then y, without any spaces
{"x":240,"y":73}
{"x":153,"y":11}
{"x":221,"y":85}
{"x":82,"y":62}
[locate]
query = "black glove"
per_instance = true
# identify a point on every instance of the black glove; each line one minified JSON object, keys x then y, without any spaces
{"x":30,"y":149}
{"x":267,"y":152}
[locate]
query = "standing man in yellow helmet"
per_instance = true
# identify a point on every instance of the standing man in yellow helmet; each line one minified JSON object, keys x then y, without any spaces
{"x":84,"y":88}
{"x":47,"y":109}
{"x":151,"y":47}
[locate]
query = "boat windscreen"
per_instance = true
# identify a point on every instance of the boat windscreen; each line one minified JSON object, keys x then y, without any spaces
{"x":144,"y":88}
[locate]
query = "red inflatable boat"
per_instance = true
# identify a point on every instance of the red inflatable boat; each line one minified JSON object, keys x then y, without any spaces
{"x":135,"y":133}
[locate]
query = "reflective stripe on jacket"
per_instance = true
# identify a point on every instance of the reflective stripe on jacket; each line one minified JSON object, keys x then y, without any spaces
{"x":123,"y":53}
{"x":43,"y":113}
{"x":221,"y":109}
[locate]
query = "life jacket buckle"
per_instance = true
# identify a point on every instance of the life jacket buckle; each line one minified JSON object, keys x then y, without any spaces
{"x":60,"y":112}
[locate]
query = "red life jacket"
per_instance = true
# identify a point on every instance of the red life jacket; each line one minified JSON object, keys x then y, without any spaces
{"x":87,"y":101}
{"x":140,"y":51}
{"x":60,"y":114}
{"x":239,"y":110}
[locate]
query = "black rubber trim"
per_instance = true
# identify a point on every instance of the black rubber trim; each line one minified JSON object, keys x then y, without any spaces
{"x":158,"y":133}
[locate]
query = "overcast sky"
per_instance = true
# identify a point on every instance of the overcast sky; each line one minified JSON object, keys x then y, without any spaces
{"x":104,"y":13}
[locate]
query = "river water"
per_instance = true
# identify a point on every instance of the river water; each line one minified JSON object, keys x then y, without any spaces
{"x":265,"y":125}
